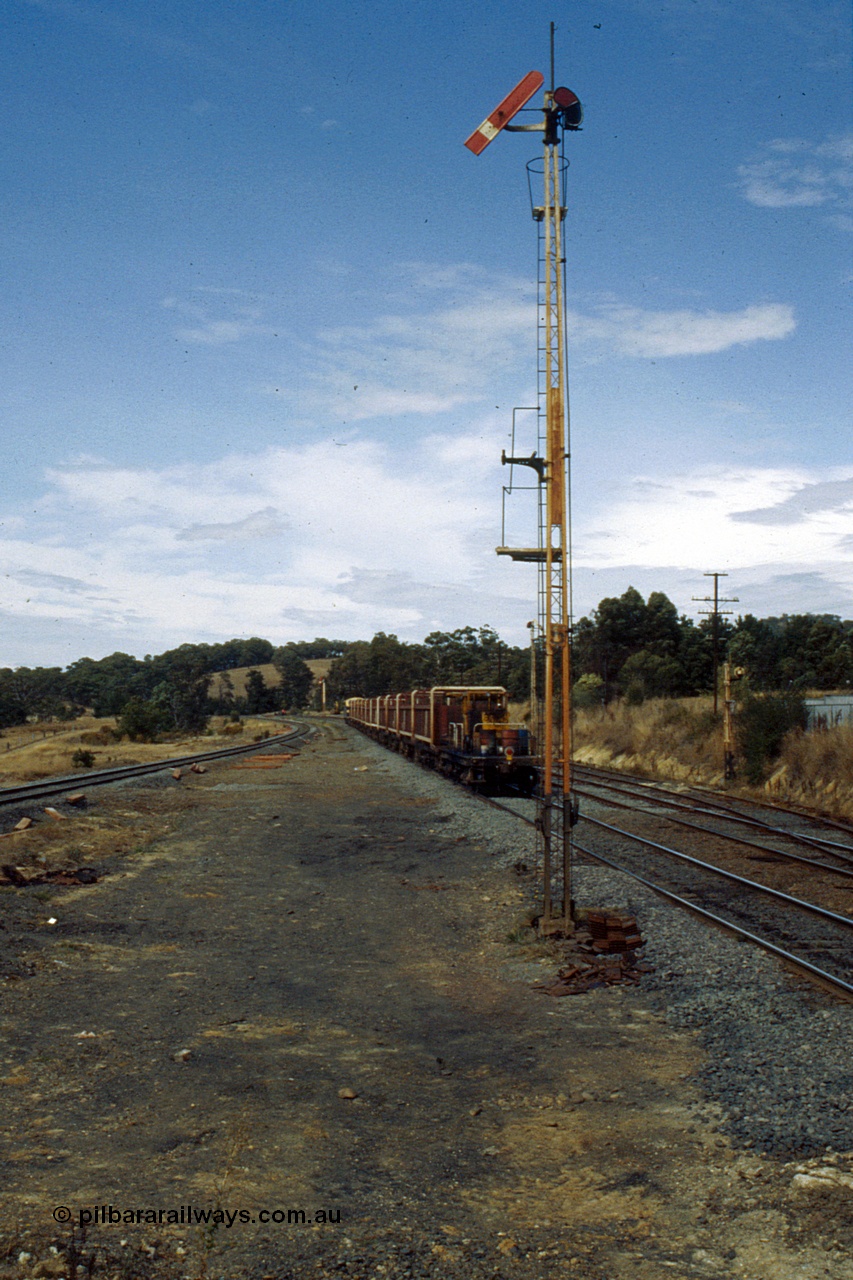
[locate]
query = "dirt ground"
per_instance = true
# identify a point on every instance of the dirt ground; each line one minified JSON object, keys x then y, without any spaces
{"x":292,"y":997}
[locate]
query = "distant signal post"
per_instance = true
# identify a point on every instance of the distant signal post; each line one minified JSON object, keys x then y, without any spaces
{"x":556,"y":813}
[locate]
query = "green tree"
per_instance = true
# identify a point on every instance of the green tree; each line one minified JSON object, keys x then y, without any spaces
{"x":142,"y":720}
{"x":106,"y":684}
{"x":755,"y":646}
{"x":624,"y":627}
{"x":259,"y":696}
{"x":649,"y":675}
{"x":182,"y":691}
{"x":31,"y":691}
{"x":224,"y":700}
{"x":760,"y":727}
{"x":588,"y":691}
{"x":296,"y":680}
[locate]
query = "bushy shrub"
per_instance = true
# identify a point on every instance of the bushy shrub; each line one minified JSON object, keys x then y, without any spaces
{"x":142,"y":720}
{"x":635,"y":693}
{"x":83,"y":759}
{"x":760,"y":727}
{"x":588,"y":691}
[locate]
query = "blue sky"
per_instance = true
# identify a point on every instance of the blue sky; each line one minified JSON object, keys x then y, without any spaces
{"x":265,"y":319}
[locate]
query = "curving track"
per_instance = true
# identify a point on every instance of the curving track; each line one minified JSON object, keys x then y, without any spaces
{"x":49,"y":787}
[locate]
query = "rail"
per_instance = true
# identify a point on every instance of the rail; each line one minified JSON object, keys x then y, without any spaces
{"x":833,"y":980}
{"x":101,"y":777}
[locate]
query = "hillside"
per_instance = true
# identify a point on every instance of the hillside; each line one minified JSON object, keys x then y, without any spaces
{"x":319,"y":668}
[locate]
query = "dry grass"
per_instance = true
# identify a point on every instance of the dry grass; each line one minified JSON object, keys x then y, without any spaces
{"x":663,"y":737}
{"x":27,"y":760}
{"x":118,"y":824}
{"x":678,"y":739}
{"x":816,"y":769}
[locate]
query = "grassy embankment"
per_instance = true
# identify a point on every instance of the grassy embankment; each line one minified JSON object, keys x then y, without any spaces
{"x":34,"y":751}
{"x":679,"y":739}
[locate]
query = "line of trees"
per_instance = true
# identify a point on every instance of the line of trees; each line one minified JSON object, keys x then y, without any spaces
{"x":642,"y":648}
{"x":466,"y":656}
{"x":170,"y":692}
{"x":627,"y":647}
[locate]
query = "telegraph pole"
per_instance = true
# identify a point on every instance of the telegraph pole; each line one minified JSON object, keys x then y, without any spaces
{"x":715,"y":614}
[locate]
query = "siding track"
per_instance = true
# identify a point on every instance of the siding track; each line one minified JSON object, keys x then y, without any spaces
{"x":101,"y":777}
{"x":799,"y":910}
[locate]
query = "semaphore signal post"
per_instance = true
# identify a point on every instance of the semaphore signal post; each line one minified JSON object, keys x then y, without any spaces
{"x":561,"y":111}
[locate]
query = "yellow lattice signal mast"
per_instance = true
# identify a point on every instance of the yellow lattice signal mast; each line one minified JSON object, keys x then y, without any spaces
{"x":561,"y":111}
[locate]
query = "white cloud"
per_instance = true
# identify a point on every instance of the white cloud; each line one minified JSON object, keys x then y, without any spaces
{"x":371,"y":538}
{"x":656,"y":334}
{"x":738,"y":518}
{"x":382,"y":539}
{"x":427,"y":361}
{"x":259,"y":524}
{"x":794,"y":173}
{"x":215,"y":332}
{"x":243,"y":318}
{"x":821,"y":498}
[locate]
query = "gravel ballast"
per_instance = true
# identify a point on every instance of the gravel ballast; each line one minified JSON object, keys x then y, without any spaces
{"x":778,"y":1076}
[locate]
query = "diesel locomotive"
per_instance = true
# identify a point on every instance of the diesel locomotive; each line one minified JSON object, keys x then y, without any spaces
{"x":463,"y":732}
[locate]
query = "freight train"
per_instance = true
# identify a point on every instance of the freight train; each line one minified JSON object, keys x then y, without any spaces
{"x":462,"y":731}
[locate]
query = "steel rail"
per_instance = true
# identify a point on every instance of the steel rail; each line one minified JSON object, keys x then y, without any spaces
{"x":101,"y":777}
{"x":812,"y":969}
{"x":719,"y":835}
{"x":806,"y":965}
{"x":839,"y":984}
{"x":795,"y":810}
{"x":728,"y":875}
{"x":666,"y":799}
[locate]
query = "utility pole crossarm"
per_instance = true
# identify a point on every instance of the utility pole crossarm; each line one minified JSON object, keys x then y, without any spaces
{"x":715,"y":614}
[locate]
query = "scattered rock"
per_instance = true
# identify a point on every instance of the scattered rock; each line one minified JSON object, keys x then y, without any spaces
{"x":347,"y":1093}
{"x":822,"y":1179}
{"x":49,"y":1267}
{"x":23,"y":875}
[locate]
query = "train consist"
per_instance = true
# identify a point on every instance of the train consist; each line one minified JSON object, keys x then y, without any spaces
{"x":464,"y":732}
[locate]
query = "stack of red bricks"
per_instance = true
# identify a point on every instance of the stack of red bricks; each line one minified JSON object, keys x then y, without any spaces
{"x":613,"y":933}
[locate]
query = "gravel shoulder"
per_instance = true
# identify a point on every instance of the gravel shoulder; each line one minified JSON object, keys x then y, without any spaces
{"x":314,"y":994}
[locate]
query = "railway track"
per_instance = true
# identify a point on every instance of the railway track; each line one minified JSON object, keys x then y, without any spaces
{"x":798,"y":910}
{"x":52,"y":787}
